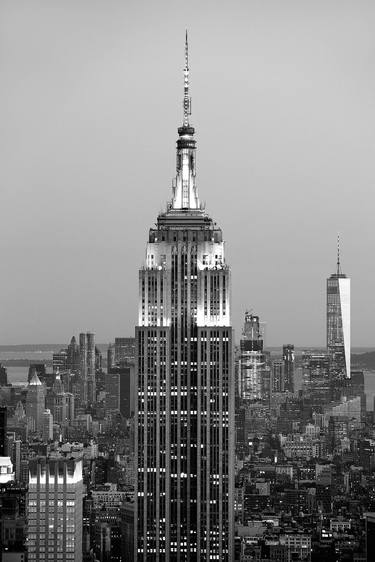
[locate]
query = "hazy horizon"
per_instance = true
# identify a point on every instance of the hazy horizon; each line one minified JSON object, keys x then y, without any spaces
{"x":91,"y":98}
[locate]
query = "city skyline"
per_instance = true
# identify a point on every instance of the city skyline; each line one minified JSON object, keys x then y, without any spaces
{"x":181,"y":440}
{"x":295,"y":111}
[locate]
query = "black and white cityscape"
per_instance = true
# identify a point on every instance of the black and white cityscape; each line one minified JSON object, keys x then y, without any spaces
{"x":183,"y":440}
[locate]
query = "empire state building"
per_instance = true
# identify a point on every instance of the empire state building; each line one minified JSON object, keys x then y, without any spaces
{"x":184,"y":426}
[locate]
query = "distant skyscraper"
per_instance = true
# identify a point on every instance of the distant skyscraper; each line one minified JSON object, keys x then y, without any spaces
{"x":252,"y":360}
{"x":316,"y":377}
{"x":112,"y":391}
{"x":60,"y":361}
{"x":98,"y":359}
{"x":35,"y":404}
{"x":57,"y":401}
{"x":73,"y":359}
{"x":278,"y":379}
{"x":90,"y":338}
{"x":338,"y":319}
{"x":125,"y":388}
{"x":3,"y":430}
{"x":184,"y":427}
{"x":40,"y":369}
{"x":110,"y":357}
{"x":3,"y":376}
{"x":70,"y":406}
{"x":83,"y":367}
{"x":87,"y":367}
{"x":55,"y":509}
{"x":288,"y":360}
{"x":47,"y":425}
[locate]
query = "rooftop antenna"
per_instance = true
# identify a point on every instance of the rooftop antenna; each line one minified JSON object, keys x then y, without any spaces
{"x":187,"y":99}
{"x":338,"y":255}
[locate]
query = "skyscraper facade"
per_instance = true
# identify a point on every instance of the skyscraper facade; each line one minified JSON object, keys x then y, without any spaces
{"x":87,"y":368}
{"x":73,"y":355}
{"x":288,"y":360}
{"x":35,"y":404}
{"x":112,"y":391}
{"x":3,"y":430}
{"x":47,"y":425}
{"x":83,"y":367}
{"x":124,"y":350}
{"x":55,"y":509}
{"x":278,"y":377}
{"x":316,"y":378}
{"x":3,"y":376}
{"x":91,"y":381}
{"x":185,"y":411}
{"x":252,"y":360}
{"x":338,"y":320}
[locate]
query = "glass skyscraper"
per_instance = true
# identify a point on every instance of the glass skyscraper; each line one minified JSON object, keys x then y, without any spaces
{"x":338,"y":320}
{"x":185,"y":412}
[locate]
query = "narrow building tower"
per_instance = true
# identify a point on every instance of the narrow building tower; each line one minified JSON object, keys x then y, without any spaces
{"x":338,"y":319}
{"x":185,"y":411}
{"x":35,"y":404}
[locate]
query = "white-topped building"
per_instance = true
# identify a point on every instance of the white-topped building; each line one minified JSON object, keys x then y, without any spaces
{"x":54,"y":509}
{"x":184,"y":426}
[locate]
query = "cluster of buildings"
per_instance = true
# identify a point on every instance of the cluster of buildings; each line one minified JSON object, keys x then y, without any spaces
{"x":67,"y":456}
{"x":304,"y":445}
{"x":180,"y":447}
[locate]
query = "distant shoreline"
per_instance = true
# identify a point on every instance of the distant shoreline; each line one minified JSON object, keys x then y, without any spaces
{"x":25,"y":362}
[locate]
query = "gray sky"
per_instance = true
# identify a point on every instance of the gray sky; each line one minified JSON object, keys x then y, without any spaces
{"x":90,"y":100}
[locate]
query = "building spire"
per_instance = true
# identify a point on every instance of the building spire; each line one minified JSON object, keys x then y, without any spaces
{"x":185,"y":195}
{"x":187,"y":99}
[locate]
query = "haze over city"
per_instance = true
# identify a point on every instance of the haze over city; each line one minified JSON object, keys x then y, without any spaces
{"x":283,"y":106}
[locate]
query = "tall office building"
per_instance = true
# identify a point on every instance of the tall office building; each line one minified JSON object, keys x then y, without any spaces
{"x":60,"y":361}
{"x":47,"y":425}
{"x":252,"y":361}
{"x":3,"y":375}
{"x":91,"y":382}
{"x":3,"y":431}
{"x":112,"y":391}
{"x":278,"y":377}
{"x":73,"y":359}
{"x":338,"y":319}
{"x":54,"y":509}
{"x":185,"y":413}
{"x":316,"y":378}
{"x":35,"y":404}
{"x":288,"y":360}
{"x":87,"y":367}
{"x":83,"y":367}
{"x":57,"y":401}
{"x":110,"y":357}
